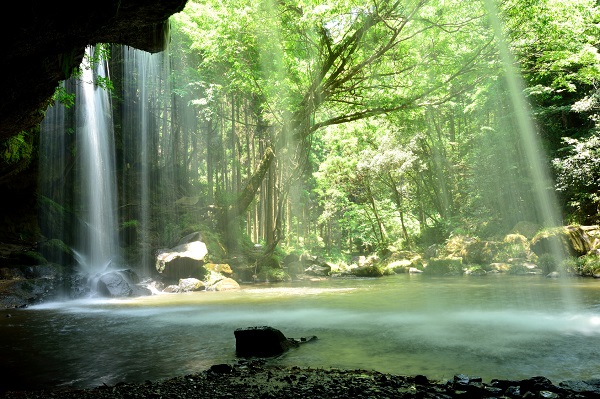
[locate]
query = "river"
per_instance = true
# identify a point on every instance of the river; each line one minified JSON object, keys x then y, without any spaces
{"x":494,"y":326}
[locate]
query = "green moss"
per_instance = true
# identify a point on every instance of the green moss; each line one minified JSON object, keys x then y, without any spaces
{"x":273,"y":275}
{"x":476,"y":270}
{"x":130,"y":224}
{"x":370,"y":271}
{"x":444,"y":266}
{"x":29,"y":258}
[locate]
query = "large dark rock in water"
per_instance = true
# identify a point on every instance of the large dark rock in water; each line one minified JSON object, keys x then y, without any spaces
{"x":264,"y":342}
{"x":119,"y":284}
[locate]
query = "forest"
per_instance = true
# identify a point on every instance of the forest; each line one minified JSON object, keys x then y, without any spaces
{"x":340,"y":128}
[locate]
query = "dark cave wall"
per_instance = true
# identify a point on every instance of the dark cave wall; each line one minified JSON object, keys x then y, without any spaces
{"x":43,"y":42}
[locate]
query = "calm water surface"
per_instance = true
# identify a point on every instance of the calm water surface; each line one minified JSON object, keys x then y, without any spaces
{"x":492,"y":326}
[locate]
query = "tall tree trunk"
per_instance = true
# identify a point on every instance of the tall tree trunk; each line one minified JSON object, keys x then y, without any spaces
{"x":210,"y":162}
{"x":270,"y":200}
{"x":381,"y":228}
{"x":399,"y":206}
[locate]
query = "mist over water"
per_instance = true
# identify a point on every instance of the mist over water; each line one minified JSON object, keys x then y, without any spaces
{"x":401,"y":324}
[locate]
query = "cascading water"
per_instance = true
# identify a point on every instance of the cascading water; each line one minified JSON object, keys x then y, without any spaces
{"x":142,"y":82}
{"x":77,"y":183}
{"x":96,"y":180}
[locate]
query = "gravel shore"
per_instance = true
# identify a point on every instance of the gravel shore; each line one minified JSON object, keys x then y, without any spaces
{"x":255,"y":379}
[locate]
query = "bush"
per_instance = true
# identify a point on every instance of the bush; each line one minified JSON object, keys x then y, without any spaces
{"x":272,"y":275}
{"x":548,"y":263}
{"x":476,"y":270}
{"x":457,"y":245}
{"x":518,"y":269}
{"x":444,"y":266}
{"x":516,"y":246}
{"x":589,"y":265}
{"x":571,"y":265}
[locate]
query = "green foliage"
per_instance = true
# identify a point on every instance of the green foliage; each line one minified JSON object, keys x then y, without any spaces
{"x":394,"y":121}
{"x":17,"y":148}
{"x":444,"y":266}
{"x":130,"y":224}
{"x":578,"y":177}
{"x":548,"y":263}
{"x":589,"y":265}
{"x":513,"y":246}
{"x":272,"y":275}
{"x":476,"y":270}
{"x":100,"y":54}
{"x":572,"y":265}
{"x":31,"y":258}
{"x":518,"y":269}
{"x":62,"y":96}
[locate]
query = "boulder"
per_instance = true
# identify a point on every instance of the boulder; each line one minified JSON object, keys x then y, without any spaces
{"x":118,"y":284}
{"x":195,"y":236}
{"x":318,"y":270}
{"x":190,"y":284}
{"x":183,"y":261}
{"x":264,"y":342}
{"x":22,"y":293}
{"x":222,"y":268}
{"x":226,"y":284}
{"x":367,"y":271}
{"x":563,"y":241}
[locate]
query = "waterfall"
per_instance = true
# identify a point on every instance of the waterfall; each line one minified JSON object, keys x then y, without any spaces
{"x":144,"y":80}
{"x":96,"y":175}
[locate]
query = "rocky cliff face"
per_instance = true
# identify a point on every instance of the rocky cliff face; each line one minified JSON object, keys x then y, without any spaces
{"x":42,"y":42}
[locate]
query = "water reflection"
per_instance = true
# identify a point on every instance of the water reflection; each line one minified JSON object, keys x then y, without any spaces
{"x":494,"y":327}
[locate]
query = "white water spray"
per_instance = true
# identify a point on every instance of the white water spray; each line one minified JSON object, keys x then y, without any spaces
{"x":96,"y":179}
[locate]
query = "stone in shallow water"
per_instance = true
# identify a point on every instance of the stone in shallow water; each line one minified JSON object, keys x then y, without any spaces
{"x":264,"y":342}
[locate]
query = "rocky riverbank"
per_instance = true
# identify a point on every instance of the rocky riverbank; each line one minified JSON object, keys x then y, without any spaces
{"x":256,"y":379}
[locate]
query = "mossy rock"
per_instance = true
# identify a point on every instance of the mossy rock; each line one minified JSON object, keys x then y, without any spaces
{"x":273,"y":275}
{"x":222,"y":268}
{"x":561,"y":241}
{"x":31,"y":258}
{"x":481,"y":252}
{"x":56,"y":251}
{"x":513,"y":246}
{"x":476,"y":270}
{"x":457,"y":245}
{"x":368,"y":271}
{"x":444,"y":266}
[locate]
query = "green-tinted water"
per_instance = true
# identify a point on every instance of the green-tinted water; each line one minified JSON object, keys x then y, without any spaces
{"x":493,"y":326}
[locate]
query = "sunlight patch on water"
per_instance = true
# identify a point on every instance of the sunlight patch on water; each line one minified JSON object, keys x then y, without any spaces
{"x":290,"y":291}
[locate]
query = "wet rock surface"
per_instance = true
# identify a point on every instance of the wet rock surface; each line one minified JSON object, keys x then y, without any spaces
{"x":264,"y":341}
{"x":257,"y":379}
